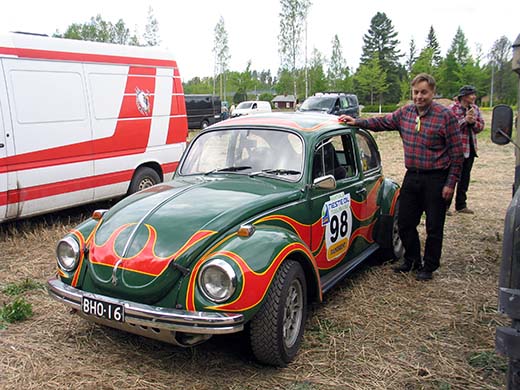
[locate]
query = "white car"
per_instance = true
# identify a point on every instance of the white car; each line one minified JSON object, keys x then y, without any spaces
{"x":251,"y":107}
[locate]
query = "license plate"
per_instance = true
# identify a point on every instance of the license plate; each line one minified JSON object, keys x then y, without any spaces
{"x":110,"y":311}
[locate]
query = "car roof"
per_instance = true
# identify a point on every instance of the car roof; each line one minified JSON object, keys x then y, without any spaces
{"x":309,"y":125}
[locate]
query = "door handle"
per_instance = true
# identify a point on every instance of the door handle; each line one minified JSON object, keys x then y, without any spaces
{"x":361,"y":191}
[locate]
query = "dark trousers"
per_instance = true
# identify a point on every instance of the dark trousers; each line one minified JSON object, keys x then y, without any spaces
{"x":463,"y":184}
{"x":421,"y":192}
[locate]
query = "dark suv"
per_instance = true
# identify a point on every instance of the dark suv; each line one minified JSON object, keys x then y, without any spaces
{"x":336,"y":103}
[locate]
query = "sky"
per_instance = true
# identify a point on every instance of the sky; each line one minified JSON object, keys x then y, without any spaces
{"x":186,"y":28}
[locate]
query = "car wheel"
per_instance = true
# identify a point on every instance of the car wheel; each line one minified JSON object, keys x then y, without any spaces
{"x":143,"y":178}
{"x":204,"y":124}
{"x":396,"y":251}
{"x":277,"y":329}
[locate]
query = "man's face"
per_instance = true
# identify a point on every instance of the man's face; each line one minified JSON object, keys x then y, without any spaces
{"x":422,"y":95}
{"x":468,"y":99}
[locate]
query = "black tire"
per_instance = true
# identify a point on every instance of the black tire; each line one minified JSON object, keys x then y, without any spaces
{"x":143,"y":178}
{"x":396,"y":251}
{"x":276,"y":332}
{"x":204,"y":124}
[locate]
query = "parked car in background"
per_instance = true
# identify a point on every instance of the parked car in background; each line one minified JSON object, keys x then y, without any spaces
{"x":332,"y":103}
{"x":251,"y":107}
{"x":265,"y":214}
{"x":202,"y":110}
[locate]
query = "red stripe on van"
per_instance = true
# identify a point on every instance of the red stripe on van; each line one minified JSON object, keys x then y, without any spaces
{"x":84,"y":57}
{"x":66,"y":186}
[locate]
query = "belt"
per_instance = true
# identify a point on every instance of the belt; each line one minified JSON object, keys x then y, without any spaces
{"x":428,"y":171}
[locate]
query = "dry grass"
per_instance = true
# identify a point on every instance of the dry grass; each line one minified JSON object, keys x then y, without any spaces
{"x":376,"y":330}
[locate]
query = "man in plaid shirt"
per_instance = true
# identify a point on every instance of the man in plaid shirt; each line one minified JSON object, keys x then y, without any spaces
{"x":470,"y":124}
{"x":433,"y":158}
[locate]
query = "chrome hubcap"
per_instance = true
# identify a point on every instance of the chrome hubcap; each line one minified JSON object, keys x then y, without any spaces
{"x":293,"y":314}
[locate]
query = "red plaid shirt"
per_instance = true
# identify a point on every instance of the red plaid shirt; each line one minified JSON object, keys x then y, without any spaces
{"x":468,"y":131}
{"x":431,"y":141}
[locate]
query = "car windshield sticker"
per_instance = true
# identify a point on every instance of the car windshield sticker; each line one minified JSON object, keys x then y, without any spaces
{"x":336,"y":217}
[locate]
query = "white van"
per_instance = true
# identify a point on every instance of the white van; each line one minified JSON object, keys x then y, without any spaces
{"x":251,"y":107}
{"x":84,"y":121}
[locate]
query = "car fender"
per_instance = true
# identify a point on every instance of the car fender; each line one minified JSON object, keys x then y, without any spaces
{"x":83,"y":234}
{"x":255,"y":260}
{"x":387,"y":200}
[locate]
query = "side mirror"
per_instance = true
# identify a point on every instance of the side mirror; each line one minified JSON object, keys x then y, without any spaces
{"x":325,"y":182}
{"x":502,"y":124}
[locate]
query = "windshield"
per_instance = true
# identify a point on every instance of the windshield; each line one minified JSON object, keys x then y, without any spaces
{"x":244,"y":105}
{"x":245,"y":151}
{"x":316,"y":103}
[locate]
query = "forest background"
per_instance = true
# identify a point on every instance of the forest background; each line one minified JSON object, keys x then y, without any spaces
{"x":380,"y":81}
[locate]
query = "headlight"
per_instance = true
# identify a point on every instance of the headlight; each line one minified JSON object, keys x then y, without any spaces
{"x":217,"y":280}
{"x":67,"y":253}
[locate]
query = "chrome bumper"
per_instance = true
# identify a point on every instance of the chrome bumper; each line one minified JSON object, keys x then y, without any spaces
{"x":162,"y":318}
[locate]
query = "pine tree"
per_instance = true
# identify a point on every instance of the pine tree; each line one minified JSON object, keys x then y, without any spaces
{"x":381,"y":41}
{"x":433,"y":44}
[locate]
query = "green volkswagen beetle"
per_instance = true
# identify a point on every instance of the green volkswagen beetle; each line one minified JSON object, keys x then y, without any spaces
{"x":264,"y":215}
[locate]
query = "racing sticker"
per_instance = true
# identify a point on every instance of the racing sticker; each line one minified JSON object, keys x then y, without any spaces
{"x":336,"y":217}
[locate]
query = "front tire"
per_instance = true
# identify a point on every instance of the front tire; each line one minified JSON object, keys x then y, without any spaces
{"x":276,"y":331}
{"x":143,"y":178}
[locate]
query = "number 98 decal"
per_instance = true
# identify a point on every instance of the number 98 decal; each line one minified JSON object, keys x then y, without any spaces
{"x":336,"y":217}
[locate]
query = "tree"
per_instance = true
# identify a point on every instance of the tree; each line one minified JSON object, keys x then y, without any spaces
{"x":500,"y":68}
{"x":370,"y":80}
{"x":433,"y":44}
{"x":317,"y":79}
{"x":222,"y":56}
{"x":99,"y":30}
{"x":293,"y":17}
{"x":336,"y":71}
{"x":381,"y":41}
{"x":412,"y":56}
{"x":459,"y":48}
{"x":151,"y":30}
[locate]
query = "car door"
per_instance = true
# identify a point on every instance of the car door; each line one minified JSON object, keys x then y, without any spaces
{"x":339,"y":232}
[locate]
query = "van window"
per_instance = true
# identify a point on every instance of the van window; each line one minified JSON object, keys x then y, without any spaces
{"x":36,"y":100}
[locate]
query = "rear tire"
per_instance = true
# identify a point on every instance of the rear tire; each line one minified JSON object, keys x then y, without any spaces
{"x":143,"y":178}
{"x":396,"y":251}
{"x":276,"y":331}
{"x":204,"y":124}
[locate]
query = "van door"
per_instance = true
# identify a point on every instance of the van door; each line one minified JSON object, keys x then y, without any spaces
{"x":51,"y":135}
{"x":3,"y":148}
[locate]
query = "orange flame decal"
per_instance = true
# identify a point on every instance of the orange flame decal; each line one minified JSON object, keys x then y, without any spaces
{"x":256,"y":283}
{"x":145,"y":261}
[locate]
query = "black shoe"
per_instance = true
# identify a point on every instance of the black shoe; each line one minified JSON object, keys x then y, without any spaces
{"x":406,"y":267}
{"x":424,"y":275}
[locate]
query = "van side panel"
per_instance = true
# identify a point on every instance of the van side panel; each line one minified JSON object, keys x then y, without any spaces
{"x":48,"y":107}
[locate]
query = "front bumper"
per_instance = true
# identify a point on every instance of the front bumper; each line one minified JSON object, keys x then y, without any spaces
{"x":147,"y":316}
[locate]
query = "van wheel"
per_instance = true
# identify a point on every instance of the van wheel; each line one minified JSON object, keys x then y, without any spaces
{"x":204,"y":124}
{"x":143,"y":178}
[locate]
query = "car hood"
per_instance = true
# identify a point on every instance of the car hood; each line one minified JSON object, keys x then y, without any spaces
{"x":149,"y":239}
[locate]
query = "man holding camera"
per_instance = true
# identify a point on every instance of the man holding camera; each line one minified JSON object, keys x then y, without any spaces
{"x":470,"y":124}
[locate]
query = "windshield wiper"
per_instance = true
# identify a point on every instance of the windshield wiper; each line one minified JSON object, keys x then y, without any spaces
{"x":229,"y":169}
{"x":276,"y":171}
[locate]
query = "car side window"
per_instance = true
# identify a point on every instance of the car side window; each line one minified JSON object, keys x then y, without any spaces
{"x":369,"y":156}
{"x":334,"y":156}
